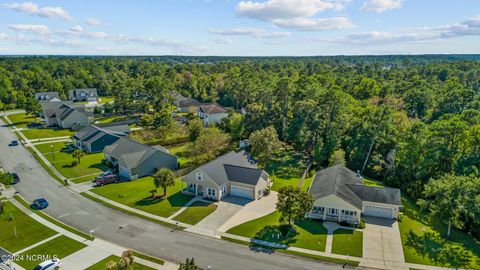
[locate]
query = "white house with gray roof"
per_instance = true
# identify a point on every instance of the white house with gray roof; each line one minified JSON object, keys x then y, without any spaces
{"x":340,"y":196}
{"x":211,"y":113}
{"x":65,"y":115}
{"x":135,"y":160}
{"x":47,"y":96}
{"x":85,"y":94}
{"x":234,"y":173}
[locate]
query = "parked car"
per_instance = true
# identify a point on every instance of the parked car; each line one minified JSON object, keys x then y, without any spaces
{"x":105,"y":173}
{"x":40,"y":204}
{"x":16,"y":179}
{"x":108,"y":179}
{"x":53,"y":264}
{"x":13,"y":143}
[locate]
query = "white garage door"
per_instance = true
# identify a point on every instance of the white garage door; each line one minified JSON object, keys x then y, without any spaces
{"x":242,"y":192}
{"x":377,"y":211}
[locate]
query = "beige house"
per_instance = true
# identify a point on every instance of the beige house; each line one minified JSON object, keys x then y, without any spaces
{"x":234,"y":173}
{"x":211,"y":113}
{"x":66,"y":115}
{"x":340,"y":196}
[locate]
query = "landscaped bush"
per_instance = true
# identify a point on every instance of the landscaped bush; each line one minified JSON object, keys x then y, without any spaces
{"x":74,"y":163}
{"x":362,"y":224}
{"x":284,"y":229}
{"x":266,"y":192}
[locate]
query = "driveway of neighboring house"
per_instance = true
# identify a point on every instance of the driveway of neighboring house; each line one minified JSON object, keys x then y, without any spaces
{"x":252,"y":210}
{"x":382,"y":245}
{"x":227,"y":207}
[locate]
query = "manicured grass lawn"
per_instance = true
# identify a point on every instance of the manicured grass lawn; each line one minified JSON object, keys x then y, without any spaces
{"x":59,"y":247}
{"x":101,"y":264}
{"x":62,"y":160}
{"x":286,"y":168}
{"x":310,"y":234}
{"x":431,"y":239}
{"x":21,"y":120}
{"x":104,"y":100}
{"x":372,"y":183}
{"x":111,"y":119}
{"x":196,"y":212}
{"x":29,"y":231}
{"x":181,"y":151}
{"x":40,"y":133}
{"x":137,"y":194}
{"x":347,"y":242}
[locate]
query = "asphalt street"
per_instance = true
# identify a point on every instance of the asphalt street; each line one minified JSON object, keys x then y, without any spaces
{"x":132,"y":232}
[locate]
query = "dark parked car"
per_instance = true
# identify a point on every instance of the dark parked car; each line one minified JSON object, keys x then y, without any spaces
{"x":13,"y":143}
{"x":16,"y":179}
{"x":40,"y":204}
{"x":108,"y":179}
{"x":105,"y":173}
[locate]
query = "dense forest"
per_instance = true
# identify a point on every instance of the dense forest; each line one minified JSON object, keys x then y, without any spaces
{"x":406,"y":120}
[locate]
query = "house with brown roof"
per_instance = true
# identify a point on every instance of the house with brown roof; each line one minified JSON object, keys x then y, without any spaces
{"x":211,"y":113}
{"x":188,"y":105}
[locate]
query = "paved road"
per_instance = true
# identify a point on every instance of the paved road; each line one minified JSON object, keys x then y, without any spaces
{"x":132,"y":232}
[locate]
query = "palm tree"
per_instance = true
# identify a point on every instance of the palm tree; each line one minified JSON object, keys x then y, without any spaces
{"x":163,"y":178}
{"x":78,"y":154}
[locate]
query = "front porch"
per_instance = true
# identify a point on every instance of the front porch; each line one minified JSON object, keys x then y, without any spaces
{"x":334,"y":214}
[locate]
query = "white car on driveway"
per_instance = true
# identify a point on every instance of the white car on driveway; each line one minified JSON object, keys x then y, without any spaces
{"x":53,"y":264}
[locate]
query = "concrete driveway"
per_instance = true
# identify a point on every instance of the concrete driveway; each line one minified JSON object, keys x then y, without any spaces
{"x":382,"y":244}
{"x":252,"y":210}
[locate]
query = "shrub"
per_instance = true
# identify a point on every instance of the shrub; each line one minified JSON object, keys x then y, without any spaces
{"x":362,"y":224}
{"x":74,"y":163}
{"x":266,"y":192}
{"x":284,"y":229}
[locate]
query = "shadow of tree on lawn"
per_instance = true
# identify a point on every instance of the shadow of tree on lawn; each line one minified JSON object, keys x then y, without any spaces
{"x":438,"y":250}
{"x":272,"y":234}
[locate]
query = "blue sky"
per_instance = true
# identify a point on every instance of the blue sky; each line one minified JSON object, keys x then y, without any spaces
{"x":228,"y":27}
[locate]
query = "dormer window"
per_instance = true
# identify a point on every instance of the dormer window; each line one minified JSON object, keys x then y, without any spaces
{"x":199,"y":176}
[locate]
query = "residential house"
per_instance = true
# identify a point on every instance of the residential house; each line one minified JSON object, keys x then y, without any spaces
{"x":211,"y":113}
{"x":134,"y":160}
{"x":86,"y":94}
{"x":234,"y":173}
{"x":340,"y":196}
{"x":93,"y":139}
{"x":177,"y":98}
{"x":47,"y":96}
{"x":188,"y":105}
{"x":65,"y":115}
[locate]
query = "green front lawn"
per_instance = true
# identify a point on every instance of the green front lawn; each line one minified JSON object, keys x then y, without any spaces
{"x":101,"y":265}
{"x":21,"y":120}
{"x":427,"y":243}
{"x":286,"y":168}
{"x":137,"y":194}
{"x":41,"y":133}
{"x":62,"y":160}
{"x":196,"y":212}
{"x":111,"y":119}
{"x":28,"y":230}
{"x":182,"y":152}
{"x":59,"y":247}
{"x":309,"y":234}
{"x":347,"y":242}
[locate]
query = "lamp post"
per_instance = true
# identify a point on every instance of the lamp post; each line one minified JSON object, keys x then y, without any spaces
{"x":53,"y":155}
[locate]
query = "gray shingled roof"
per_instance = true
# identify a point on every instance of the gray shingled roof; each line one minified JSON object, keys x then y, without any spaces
{"x":49,"y":94}
{"x":189,"y":102}
{"x":347,"y":185}
{"x":88,"y":91}
{"x":91,"y":132}
{"x":244,"y":175}
{"x":131,"y":153}
{"x":212,"y":109}
{"x":216,"y":171}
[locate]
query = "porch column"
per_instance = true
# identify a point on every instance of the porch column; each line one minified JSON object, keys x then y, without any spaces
{"x":339,"y":213}
{"x":196,"y":190}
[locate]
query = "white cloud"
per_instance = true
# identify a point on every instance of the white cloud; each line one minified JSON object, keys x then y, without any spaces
{"x":33,"y":9}
{"x":3,"y":36}
{"x":223,"y":40}
{"x":380,"y":6}
{"x":296,"y":14}
{"x":247,"y":31}
{"x":313,"y":24}
{"x":94,"y":22}
{"x":39,"y":29}
{"x":77,"y":29}
{"x":469,"y":27}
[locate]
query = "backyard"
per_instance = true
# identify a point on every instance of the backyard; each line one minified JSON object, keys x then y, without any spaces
{"x":309,"y":234}
{"x":59,"y":247}
{"x":286,"y":169}
{"x":62,"y":159}
{"x":182,"y":152}
{"x":28,"y":230}
{"x":137,"y":194}
{"x":424,"y":240}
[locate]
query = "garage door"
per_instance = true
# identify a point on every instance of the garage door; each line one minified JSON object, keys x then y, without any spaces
{"x":377,"y":211}
{"x":242,"y":192}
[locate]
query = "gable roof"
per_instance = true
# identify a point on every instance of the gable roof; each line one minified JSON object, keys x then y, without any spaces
{"x":212,"y":109}
{"x":65,"y":110}
{"x":233,"y":166}
{"x":91,"y":132}
{"x":342,"y":182}
{"x":188,"y":102}
{"x":50,"y":95}
{"x":131,"y":153}
{"x":87,"y":91}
